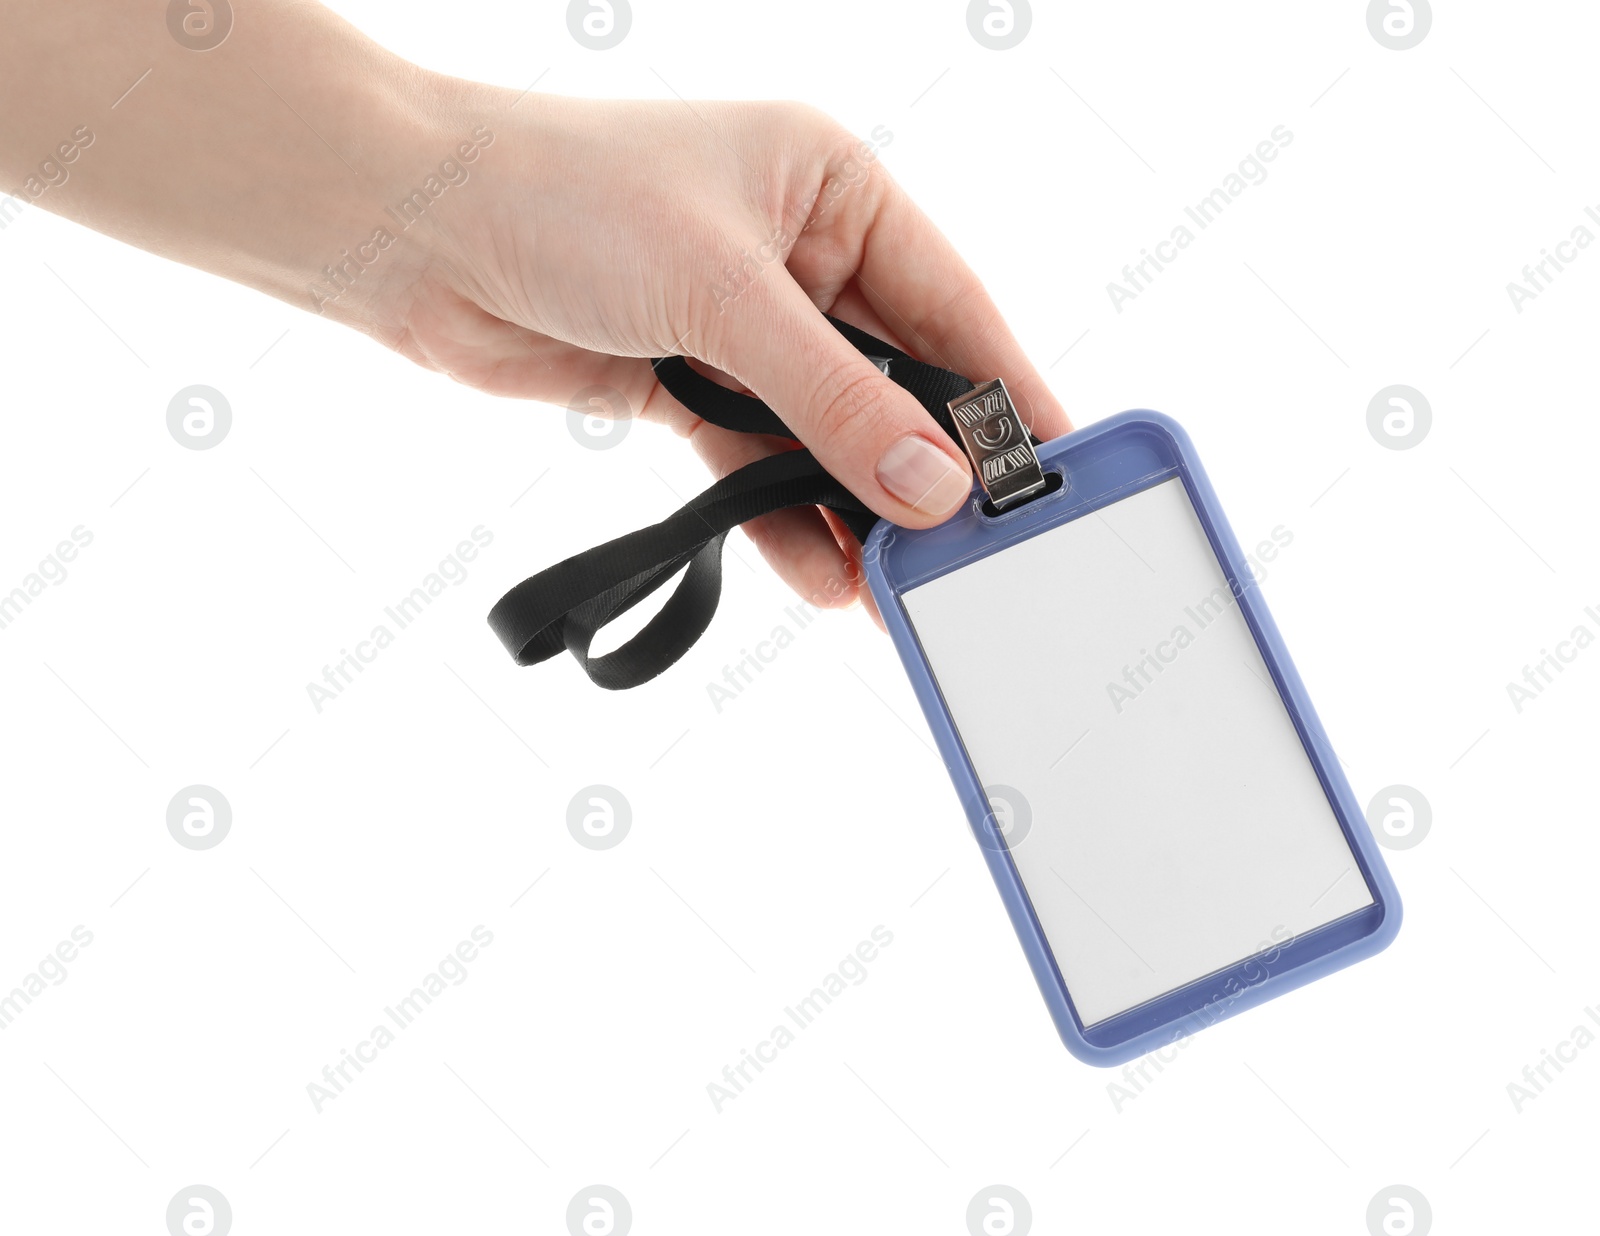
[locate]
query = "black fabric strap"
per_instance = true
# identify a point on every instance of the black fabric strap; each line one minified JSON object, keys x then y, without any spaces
{"x":565,"y":606}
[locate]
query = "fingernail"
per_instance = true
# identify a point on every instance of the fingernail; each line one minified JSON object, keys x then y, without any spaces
{"x":921,"y":475}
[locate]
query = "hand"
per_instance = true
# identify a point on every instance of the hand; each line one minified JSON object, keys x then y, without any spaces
{"x":590,"y":236}
{"x":556,"y":243}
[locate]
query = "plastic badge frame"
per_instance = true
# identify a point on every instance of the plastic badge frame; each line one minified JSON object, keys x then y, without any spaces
{"x":1099,"y":465}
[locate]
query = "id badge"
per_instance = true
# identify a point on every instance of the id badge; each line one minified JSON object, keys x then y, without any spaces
{"x":1164,"y":817}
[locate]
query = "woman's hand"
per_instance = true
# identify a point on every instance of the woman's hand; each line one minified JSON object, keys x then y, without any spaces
{"x":589,"y":236}
{"x":527,"y":245}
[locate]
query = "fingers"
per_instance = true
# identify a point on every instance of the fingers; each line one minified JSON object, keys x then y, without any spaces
{"x":851,"y":306}
{"x":920,"y":287}
{"x":853,"y":552}
{"x":867,"y":431}
{"x":798,"y":543}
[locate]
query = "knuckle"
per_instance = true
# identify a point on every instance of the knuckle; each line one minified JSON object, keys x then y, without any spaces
{"x":848,"y":410}
{"x":849,"y":178}
{"x":804,"y":118}
{"x":967,"y":311}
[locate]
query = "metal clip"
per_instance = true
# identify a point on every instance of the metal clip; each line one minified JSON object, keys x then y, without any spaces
{"x":997,"y":443}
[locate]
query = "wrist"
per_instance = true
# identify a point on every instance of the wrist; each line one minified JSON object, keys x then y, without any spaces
{"x":400,"y":220}
{"x":269,"y":159}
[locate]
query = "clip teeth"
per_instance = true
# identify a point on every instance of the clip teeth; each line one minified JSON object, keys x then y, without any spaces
{"x":998,"y":444}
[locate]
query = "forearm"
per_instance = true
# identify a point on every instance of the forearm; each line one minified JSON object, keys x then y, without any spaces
{"x":298,"y":157}
{"x":266,"y":159}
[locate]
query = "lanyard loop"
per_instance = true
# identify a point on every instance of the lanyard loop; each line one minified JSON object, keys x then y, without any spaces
{"x":565,"y":606}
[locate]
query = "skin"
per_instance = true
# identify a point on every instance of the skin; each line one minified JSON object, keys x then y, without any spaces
{"x":585,"y":238}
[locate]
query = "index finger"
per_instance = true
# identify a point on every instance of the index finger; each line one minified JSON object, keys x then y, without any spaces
{"x":917,"y":282}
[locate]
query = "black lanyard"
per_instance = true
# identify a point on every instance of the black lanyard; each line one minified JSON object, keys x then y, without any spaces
{"x":567,"y":604}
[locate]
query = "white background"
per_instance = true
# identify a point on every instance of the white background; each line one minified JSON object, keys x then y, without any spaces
{"x":770,"y":838}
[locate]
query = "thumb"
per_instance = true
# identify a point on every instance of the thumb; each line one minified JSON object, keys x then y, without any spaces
{"x":866,"y":430}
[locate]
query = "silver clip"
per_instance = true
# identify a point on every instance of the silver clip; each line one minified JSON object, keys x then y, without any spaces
{"x":997,"y":443}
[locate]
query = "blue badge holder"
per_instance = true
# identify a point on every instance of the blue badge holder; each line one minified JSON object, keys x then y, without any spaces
{"x":1097,"y":466}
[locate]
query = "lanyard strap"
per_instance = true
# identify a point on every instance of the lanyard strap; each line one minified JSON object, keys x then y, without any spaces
{"x":566,"y":605}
